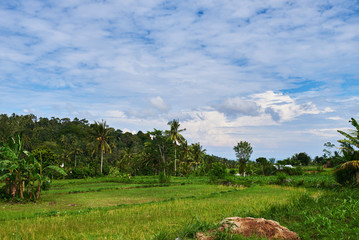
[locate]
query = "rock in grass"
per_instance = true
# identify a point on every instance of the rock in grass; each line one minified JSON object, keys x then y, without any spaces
{"x":251,"y":226}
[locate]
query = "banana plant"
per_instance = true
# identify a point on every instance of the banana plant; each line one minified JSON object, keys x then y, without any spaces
{"x":21,"y":171}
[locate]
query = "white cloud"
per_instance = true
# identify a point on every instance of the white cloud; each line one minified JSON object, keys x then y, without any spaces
{"x":336,"y":118}
{"x":237,"y":105}
{"x":283,"y":108}
{"x":155,"y":60}
{"x":116,"y":114}
{"x":159,"y":104}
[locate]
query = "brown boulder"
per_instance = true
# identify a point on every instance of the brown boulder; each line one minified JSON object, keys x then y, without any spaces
{"x":252,"y":226}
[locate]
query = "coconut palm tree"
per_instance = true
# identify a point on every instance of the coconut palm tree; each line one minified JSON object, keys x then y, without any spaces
{"x":175,"y":135}
{"x":100,"y":132}
{"x":197,"y":153}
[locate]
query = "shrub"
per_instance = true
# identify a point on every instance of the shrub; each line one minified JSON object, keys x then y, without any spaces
{"x":346,"y":176}
{"x":164,"y":178}
{"x":114,"y":172}
{"x":218,"y":171}
{"x":281,"y":178}
{"x":81,"y":172}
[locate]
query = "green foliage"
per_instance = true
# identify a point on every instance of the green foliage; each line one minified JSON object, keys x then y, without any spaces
{"x":281,"y":178}
{"x":21,"y":172}
{"x":243,"y":151}
{"x":175,"y":136}
{"x":164,"y":178}
{"x":293,"y":171}
{"x":77,"y":144}
{"x":46,"y":156}
{"x":331,"y":215}
{"x":100,"y":133}
{"x":352,"y":138}
{"x":232,"y":171}
{"x":301,"y":159}
{"x":193,"y":227}
{"x":348,"y":174}
{"x":81,"y":172}
{"x":217,"y":172}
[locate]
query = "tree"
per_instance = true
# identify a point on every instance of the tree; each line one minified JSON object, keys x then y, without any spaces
{"x":184,"y":158}
{"x":243,"y":151}
{"x":301,"y":158}
{"x":159,"y":146}
{"x":327,"y":151}
{"x":197,"y":153}
{"x":263,"y":163}
{"x":101,"y":131}
{"x":175,"y":136}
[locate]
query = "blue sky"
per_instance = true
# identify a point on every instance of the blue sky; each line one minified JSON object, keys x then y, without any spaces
{"x":282,"y":75}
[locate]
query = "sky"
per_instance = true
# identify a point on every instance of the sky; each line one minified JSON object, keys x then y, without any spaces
{"x":281,"y":75}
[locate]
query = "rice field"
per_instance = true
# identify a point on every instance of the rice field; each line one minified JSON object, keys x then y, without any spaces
{"x":112,"y":210}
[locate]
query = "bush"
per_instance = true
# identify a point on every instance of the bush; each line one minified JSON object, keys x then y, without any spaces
{"x":218,"y":171}
{"x":114,"y":172}
{"x":346,"y":176}
{"x":81,"y":172}
{"x":164,"y":178}
{"x":232,"y":171}
{"x":281,"y":178}
{"x":293,"y":171}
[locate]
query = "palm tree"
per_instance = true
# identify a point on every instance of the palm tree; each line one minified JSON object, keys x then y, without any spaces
{"x":197,"y":153}
{"x":175,"y":136}
{"x":184,"y":154}
{"x":101,"y":131}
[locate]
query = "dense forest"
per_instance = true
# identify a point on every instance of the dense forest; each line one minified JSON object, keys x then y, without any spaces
{"x":89,"y":149}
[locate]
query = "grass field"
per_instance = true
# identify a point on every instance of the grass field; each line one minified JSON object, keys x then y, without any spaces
{"x":105,"y":208}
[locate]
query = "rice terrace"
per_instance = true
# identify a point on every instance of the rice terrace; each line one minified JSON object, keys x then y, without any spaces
{"x":179,"y":120}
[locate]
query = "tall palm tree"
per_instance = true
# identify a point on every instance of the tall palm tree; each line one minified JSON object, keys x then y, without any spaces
{"x":175,"y":135}
{"x":101,"y":131}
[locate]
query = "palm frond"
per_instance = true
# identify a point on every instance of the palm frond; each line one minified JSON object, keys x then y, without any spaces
{"x":351,"y":165}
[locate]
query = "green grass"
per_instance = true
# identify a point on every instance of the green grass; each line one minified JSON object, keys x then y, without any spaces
{"x":322,"y":180}
{"x":135,"y":213}
{"x":332,"y":215}
{"x":131,"y":194}
{"x":106,"y":208}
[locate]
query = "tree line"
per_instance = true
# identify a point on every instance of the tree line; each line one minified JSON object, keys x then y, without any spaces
{"x":90,"y":149}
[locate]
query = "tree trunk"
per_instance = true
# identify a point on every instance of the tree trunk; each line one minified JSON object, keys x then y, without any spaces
{"x":13,"y":190}
{"x":175,"y":161}
{"x":21,"y":189}
{"x":101,"y":160}
{"x":163,"y":159}
{"x":38,"y":190}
